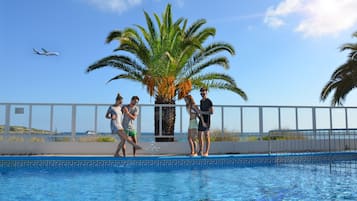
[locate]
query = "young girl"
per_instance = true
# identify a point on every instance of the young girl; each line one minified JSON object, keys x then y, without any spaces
{"x":115,"y":114}
{"x":194,"y":112}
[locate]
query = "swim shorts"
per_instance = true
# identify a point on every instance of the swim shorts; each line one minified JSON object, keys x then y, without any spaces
{"x":131,"y":133}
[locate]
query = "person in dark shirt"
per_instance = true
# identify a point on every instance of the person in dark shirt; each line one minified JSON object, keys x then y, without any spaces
{"x":206,"y":107}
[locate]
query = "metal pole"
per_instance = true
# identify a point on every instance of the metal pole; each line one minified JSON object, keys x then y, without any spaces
{"x":241,"y":120}
{"x":261,"y":122}
{"x":51,"y":118}
{"x":279,"y":118}
{"x":139,"y":122}
{"x":181,"y":132}
{"x":30,"y":118}
{"x":7,"y":119}
{"x":347,"y":132}
{"x":74,"y":112}
{"x":95,"y":118}
{"x":314,"y":121}
{"x":160,"y":120}
{"x":296,"y":119}
{"x":222,"y":120}
{"x":330,"y":131}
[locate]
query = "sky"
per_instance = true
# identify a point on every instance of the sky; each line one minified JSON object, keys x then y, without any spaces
{"x":286,"y":50}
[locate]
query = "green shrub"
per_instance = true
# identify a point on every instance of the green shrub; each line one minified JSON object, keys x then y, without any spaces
{"x":62,"y":139}
{"x":287,"y":135}
{"x":37,"y":139}
{"x":218,"y":136}
{"x":106,"y":139}
{"x":96,"y":139}
{"x":16,"y":139}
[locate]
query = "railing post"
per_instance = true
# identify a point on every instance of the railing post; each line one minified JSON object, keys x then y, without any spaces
{"x":7,"y":119}
{"x":269,"y":143}
{"x":51,"y":118}
{"x":279,"y":118}
{"x":96,"y":118}
{"x":314,"y":122}
{"x":296,"y":119}
{"x":30,"y":118}
{"x":139,"y":122}
{"x":181,"y":132}
{"x":347,"y":132}
{"x":222,"y":120}
{"x":241,"y":120}
{"x":330,"y":131}
{"x":74,"y":112}
{"x":160,"y":120}
{"x":261,"y":122}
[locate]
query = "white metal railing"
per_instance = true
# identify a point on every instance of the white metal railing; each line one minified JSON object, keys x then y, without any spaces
{"x":241,"y":122}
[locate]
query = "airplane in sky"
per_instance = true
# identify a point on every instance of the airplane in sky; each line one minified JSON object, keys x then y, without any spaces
{"x":45,"y":52}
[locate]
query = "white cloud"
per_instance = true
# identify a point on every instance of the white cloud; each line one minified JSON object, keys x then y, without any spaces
{"x":117,"y":6}
{"x":316,"y":17}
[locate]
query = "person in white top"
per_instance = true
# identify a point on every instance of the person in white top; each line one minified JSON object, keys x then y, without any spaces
{"x":115,"y":115}
{"x":193,"y":112}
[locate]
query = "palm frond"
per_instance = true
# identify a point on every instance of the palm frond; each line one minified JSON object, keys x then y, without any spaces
{"x":213,"y":84}
{"x":196,"y":69}
{"x":194,"y":27}
{"x":120,"y":62}
{"x":114,"y":35}
{"x":129,"y":76}
{"x":151,"y":28}
{"x":342,"y":81}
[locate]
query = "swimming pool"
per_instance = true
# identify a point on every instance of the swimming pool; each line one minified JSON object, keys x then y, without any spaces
{"x":335,"y":180}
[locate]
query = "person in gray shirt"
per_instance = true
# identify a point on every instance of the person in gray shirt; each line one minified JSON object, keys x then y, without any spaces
{"x":130,"y":112}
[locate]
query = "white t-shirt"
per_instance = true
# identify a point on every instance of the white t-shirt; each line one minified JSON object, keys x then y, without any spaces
{"x":116,"y":124}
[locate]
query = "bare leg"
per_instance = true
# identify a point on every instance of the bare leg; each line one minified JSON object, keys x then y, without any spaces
{"x":120,"y":146}
{"x":135,"y":141}
{"x":208,"y":143}
{"x":192,"y":135}
{"x":124,"y":149}
{"x":123,"y":135}
{"x":190,"y":138}
{"x":200,"y":141}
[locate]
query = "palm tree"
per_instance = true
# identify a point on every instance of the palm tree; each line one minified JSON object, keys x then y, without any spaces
{"x":170,"y":59}
{"x":344,"y":78}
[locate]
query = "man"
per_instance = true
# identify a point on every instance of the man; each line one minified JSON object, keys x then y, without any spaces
{"x":131,"y":112}
{"x":114,"y":113}
{"x":206,"y":107}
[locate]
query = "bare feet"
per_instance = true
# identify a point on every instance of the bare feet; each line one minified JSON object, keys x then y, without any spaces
{"x":193,"y":154}
{"x":205,"y":154}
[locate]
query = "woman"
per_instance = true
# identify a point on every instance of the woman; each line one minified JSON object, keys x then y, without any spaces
{"x":115,"y":114}
{"x":194,"y":112}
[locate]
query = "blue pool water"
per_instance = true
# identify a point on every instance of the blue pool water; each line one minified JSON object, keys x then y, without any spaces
{"x":263,"y":183}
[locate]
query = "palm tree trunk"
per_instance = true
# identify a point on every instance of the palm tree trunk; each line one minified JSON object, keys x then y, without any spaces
{"x":168,"y":117}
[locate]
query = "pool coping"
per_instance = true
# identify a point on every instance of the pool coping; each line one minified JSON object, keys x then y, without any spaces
{"x":169,"y":162}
